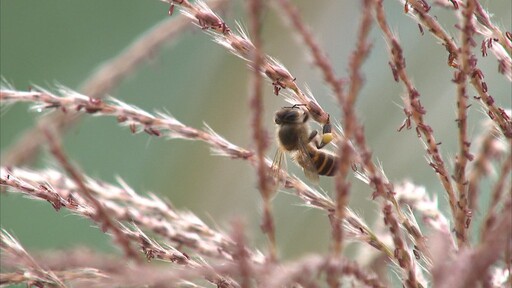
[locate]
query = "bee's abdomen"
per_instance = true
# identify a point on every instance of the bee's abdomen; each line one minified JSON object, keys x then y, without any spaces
{"x":325,"y":164}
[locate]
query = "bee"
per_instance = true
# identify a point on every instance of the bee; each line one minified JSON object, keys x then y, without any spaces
{"x":294,"y":137}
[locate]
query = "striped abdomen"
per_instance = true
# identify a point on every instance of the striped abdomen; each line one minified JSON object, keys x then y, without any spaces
{"x":325,"y":163}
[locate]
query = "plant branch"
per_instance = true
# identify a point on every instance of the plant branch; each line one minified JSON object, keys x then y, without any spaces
{"x":260,"y":136}
{"x":401,"y":254}
{"x":413,"y":108}
{"x":467,"y":62}
{"x":496,"y":113}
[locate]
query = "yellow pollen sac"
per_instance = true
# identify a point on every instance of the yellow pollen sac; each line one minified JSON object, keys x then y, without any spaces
{"x":327,"y":137}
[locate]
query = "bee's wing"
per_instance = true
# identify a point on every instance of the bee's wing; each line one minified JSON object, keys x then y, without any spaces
{"x":277,"y":164}
{"x":307,"y":163}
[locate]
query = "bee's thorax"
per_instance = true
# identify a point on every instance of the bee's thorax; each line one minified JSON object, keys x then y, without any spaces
{"x":291,"y":135}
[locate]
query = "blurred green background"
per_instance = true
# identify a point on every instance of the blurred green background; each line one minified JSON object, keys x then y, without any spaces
{"x":196,"y":80}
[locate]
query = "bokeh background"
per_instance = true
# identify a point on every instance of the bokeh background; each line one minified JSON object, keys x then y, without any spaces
{"x":197,"y":81}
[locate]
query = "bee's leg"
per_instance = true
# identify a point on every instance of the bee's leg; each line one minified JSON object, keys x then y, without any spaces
{"x":326,"y":135}
{"x":312,"y":136}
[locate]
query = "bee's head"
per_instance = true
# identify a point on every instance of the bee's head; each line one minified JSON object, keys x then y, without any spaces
{"x":291,"y":115}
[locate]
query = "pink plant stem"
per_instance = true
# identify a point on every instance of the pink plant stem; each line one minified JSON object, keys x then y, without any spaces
{"x":402,"y":256}
{"x":259,"y":134}
{"x":242,"y":256}
{"x":352,"y":126}
{"x":496,"y":113}
{"x":461,"y":160}
{"x":414,"y":110}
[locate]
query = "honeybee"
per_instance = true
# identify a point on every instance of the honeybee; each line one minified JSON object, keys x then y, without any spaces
{"x":294,"y":137}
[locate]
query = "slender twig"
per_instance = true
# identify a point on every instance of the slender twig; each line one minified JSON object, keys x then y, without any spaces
{"x":260,"y":137}
{"x":496,"y":113}
{"x":413,"y":108}
{"x":352,"y":125}
{"x":242,"y":256}
{"x":401,"y":254}
{"x":72,"y":258}
{"x":465,"y":69}
{"x":53,"y":187}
